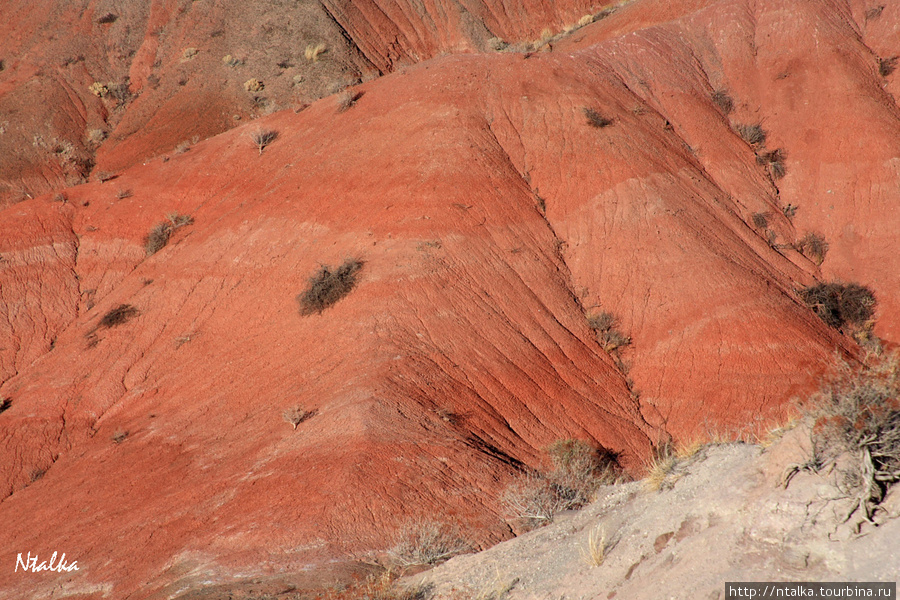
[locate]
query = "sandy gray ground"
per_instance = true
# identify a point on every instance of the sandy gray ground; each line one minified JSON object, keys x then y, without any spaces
{"x":720,"y":516}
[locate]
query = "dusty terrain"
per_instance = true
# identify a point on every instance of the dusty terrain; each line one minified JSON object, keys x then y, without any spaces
{"x":495,"y":201}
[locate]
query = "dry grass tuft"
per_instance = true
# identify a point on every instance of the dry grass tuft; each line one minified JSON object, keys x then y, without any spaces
{"x":721,"y":99}
{"x":597,"y":547}
{"x":605,"y":325}
{"x":328,"y":286}
{"x":425,"y":542}
{"x":262,"y":138}
{"x":595,"y":119}
{"x":754,"y":135}
{"x":813,"y":246}
{"x":297,"y":415}
{"x":159,"y":236}
{"x":886,"y":66}
{"x":313,"y":52}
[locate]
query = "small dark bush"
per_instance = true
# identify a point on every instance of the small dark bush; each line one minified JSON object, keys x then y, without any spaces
{"x":886,"y":66}
{"x":874,"y":13}
{"x":760,"y":220}
{"x":157,"y":238}
{"x":754,"y":135}
{"x":774,"y":161}
{"x":118,"y":315}
{"x":721,"y":99}
{"x":839,"y":304}
{"x":347,"y":98}
{"x":328,"y":286}
{"x":107,"y":18}
{"x":604,"y":325}
{"x":790,"y":211}
{"x":5,"y":403}
{"x":595,"y":119}
{"x":813,"y":246}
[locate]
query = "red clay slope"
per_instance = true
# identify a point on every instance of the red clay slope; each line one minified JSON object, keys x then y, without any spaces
{"x":490,"y":216}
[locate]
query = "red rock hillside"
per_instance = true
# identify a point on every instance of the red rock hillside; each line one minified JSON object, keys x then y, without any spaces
{"x":492,"y":201}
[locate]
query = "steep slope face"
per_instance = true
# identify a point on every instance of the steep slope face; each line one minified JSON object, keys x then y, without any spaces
{"x":490,"y":214}
{"x":101,"y":85}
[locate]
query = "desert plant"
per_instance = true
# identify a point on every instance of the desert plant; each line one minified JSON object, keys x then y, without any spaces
{"x":230,"y":61}
{"x":188,"y":54}
{"x":347,"y":99}
{"x":118,"y":315}
{"x":760,"y":220}
{"x":426,"y":542}
{"x":813,"y":246}
{"x":107,"y":18}
{"x":262,"y":138}
{"x":585,"y":20}
{"x":104,"y":176}
{"x":604,"y":325}
{"x":328,"y":286}
{"x":5,"y":403}
{"x":874,"y":12}
{"x":312,"y":52}
{"x":790,"y":211}
{"x":297,"y":415}
{"x":774,"y":162}
{"x":254,"y":85}
{"x":754,"y":135}
{"x":855,"y":429}
{"x":663,"y":461}
{"x":597,"y":547}
{"x":886,"y":66}
{"x":721,"y":99}
{"x":595,"y":119}
{"x":119,"y":437}
{"x":124,"y":193}
{"x":159,"y":235}
{"x":578,"y":469}
{"x":839,"y":304}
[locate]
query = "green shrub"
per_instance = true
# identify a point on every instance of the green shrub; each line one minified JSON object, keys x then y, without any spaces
{"x":328,"y":286}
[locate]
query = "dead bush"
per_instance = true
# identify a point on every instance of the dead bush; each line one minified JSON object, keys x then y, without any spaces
{"x":813,"y":246}
{"x":595,"y":119}
{"x":855,"y":429}
{"x":262,"y":138}
{"x":754,"y":135}
{"x":328,"y":286}
{"x":839,"y":304}
{"x":886,"y":66}
{"x":426,"y":542}
{"x":604,"y":325}
{"x":297,"y":415}
{"x":118,"y":315}
{"x":578,"y":469}
{"x":312,"y":52}
{"x":159,"y":236}
{"x":721,"y":99}
{"x":774,"y":162}
{"x":346,"y":99}
{"x":760,"y":220}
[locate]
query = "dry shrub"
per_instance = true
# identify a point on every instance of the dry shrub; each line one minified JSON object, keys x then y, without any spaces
{"x":760,"y":220}
{"x":595,"y":119}
{"x":254,"y":85}
{"x":585,"y":20}
{"x":839,"y":304}
{"x":604,"y":325}
{"x":107,"y":18}
{"x":774,"y":162}
{"x":578,"y":470}
{"x":383,"y":586}
{"x":312,"y":52}
{"x":346,"y":99}
{"x":159,"y":236}
{"x":5,"y":403}
{"x":262,"y":138}
{"x":297,"y":415}
{"x":425,"y":542}
{"x":813,"y":246}
{"x":118,"y":315}
{"x":886,"y":66}
{"x":790,"y":211}
{"x":754,"y":135}
{"x":328,"y":286}
{"x":855,"y":429}
{"x":721,"y":99}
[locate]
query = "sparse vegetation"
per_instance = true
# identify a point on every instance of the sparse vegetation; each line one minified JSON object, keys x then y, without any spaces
{"x":159,"y":235}
{"x":297,"y":415}
{"x":790,"y":211}
{"x":104,"y":176}
{"x":595,"y":119}
{"x":577,"y":471}
{"x":840,"y":304}
{"x":426,"y":542}
{"x":813,"y":246}
{"x":119,"y":437}
{"x":313,"y":52}
{"x":605,"y":325}
{"x":124,"y":193}
{"x":597,"y":547}
{"x":107,"y":18}
{"x":754,"y":135}
{"x":118,"y":316}
{"x":328,"y":286}
{"x":662,"y":464}
{"x":855,"y":431}
{"x":347,"y":99}
{"x":721,"y":99}
{"x":262,"y":138}
{"x":230,"y":61}
{"x":188,"y":54}
{"x":774,"y":162}
{"x":760,"y":220}
{"x":254,"y":85}
{"x":886,"y":66}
